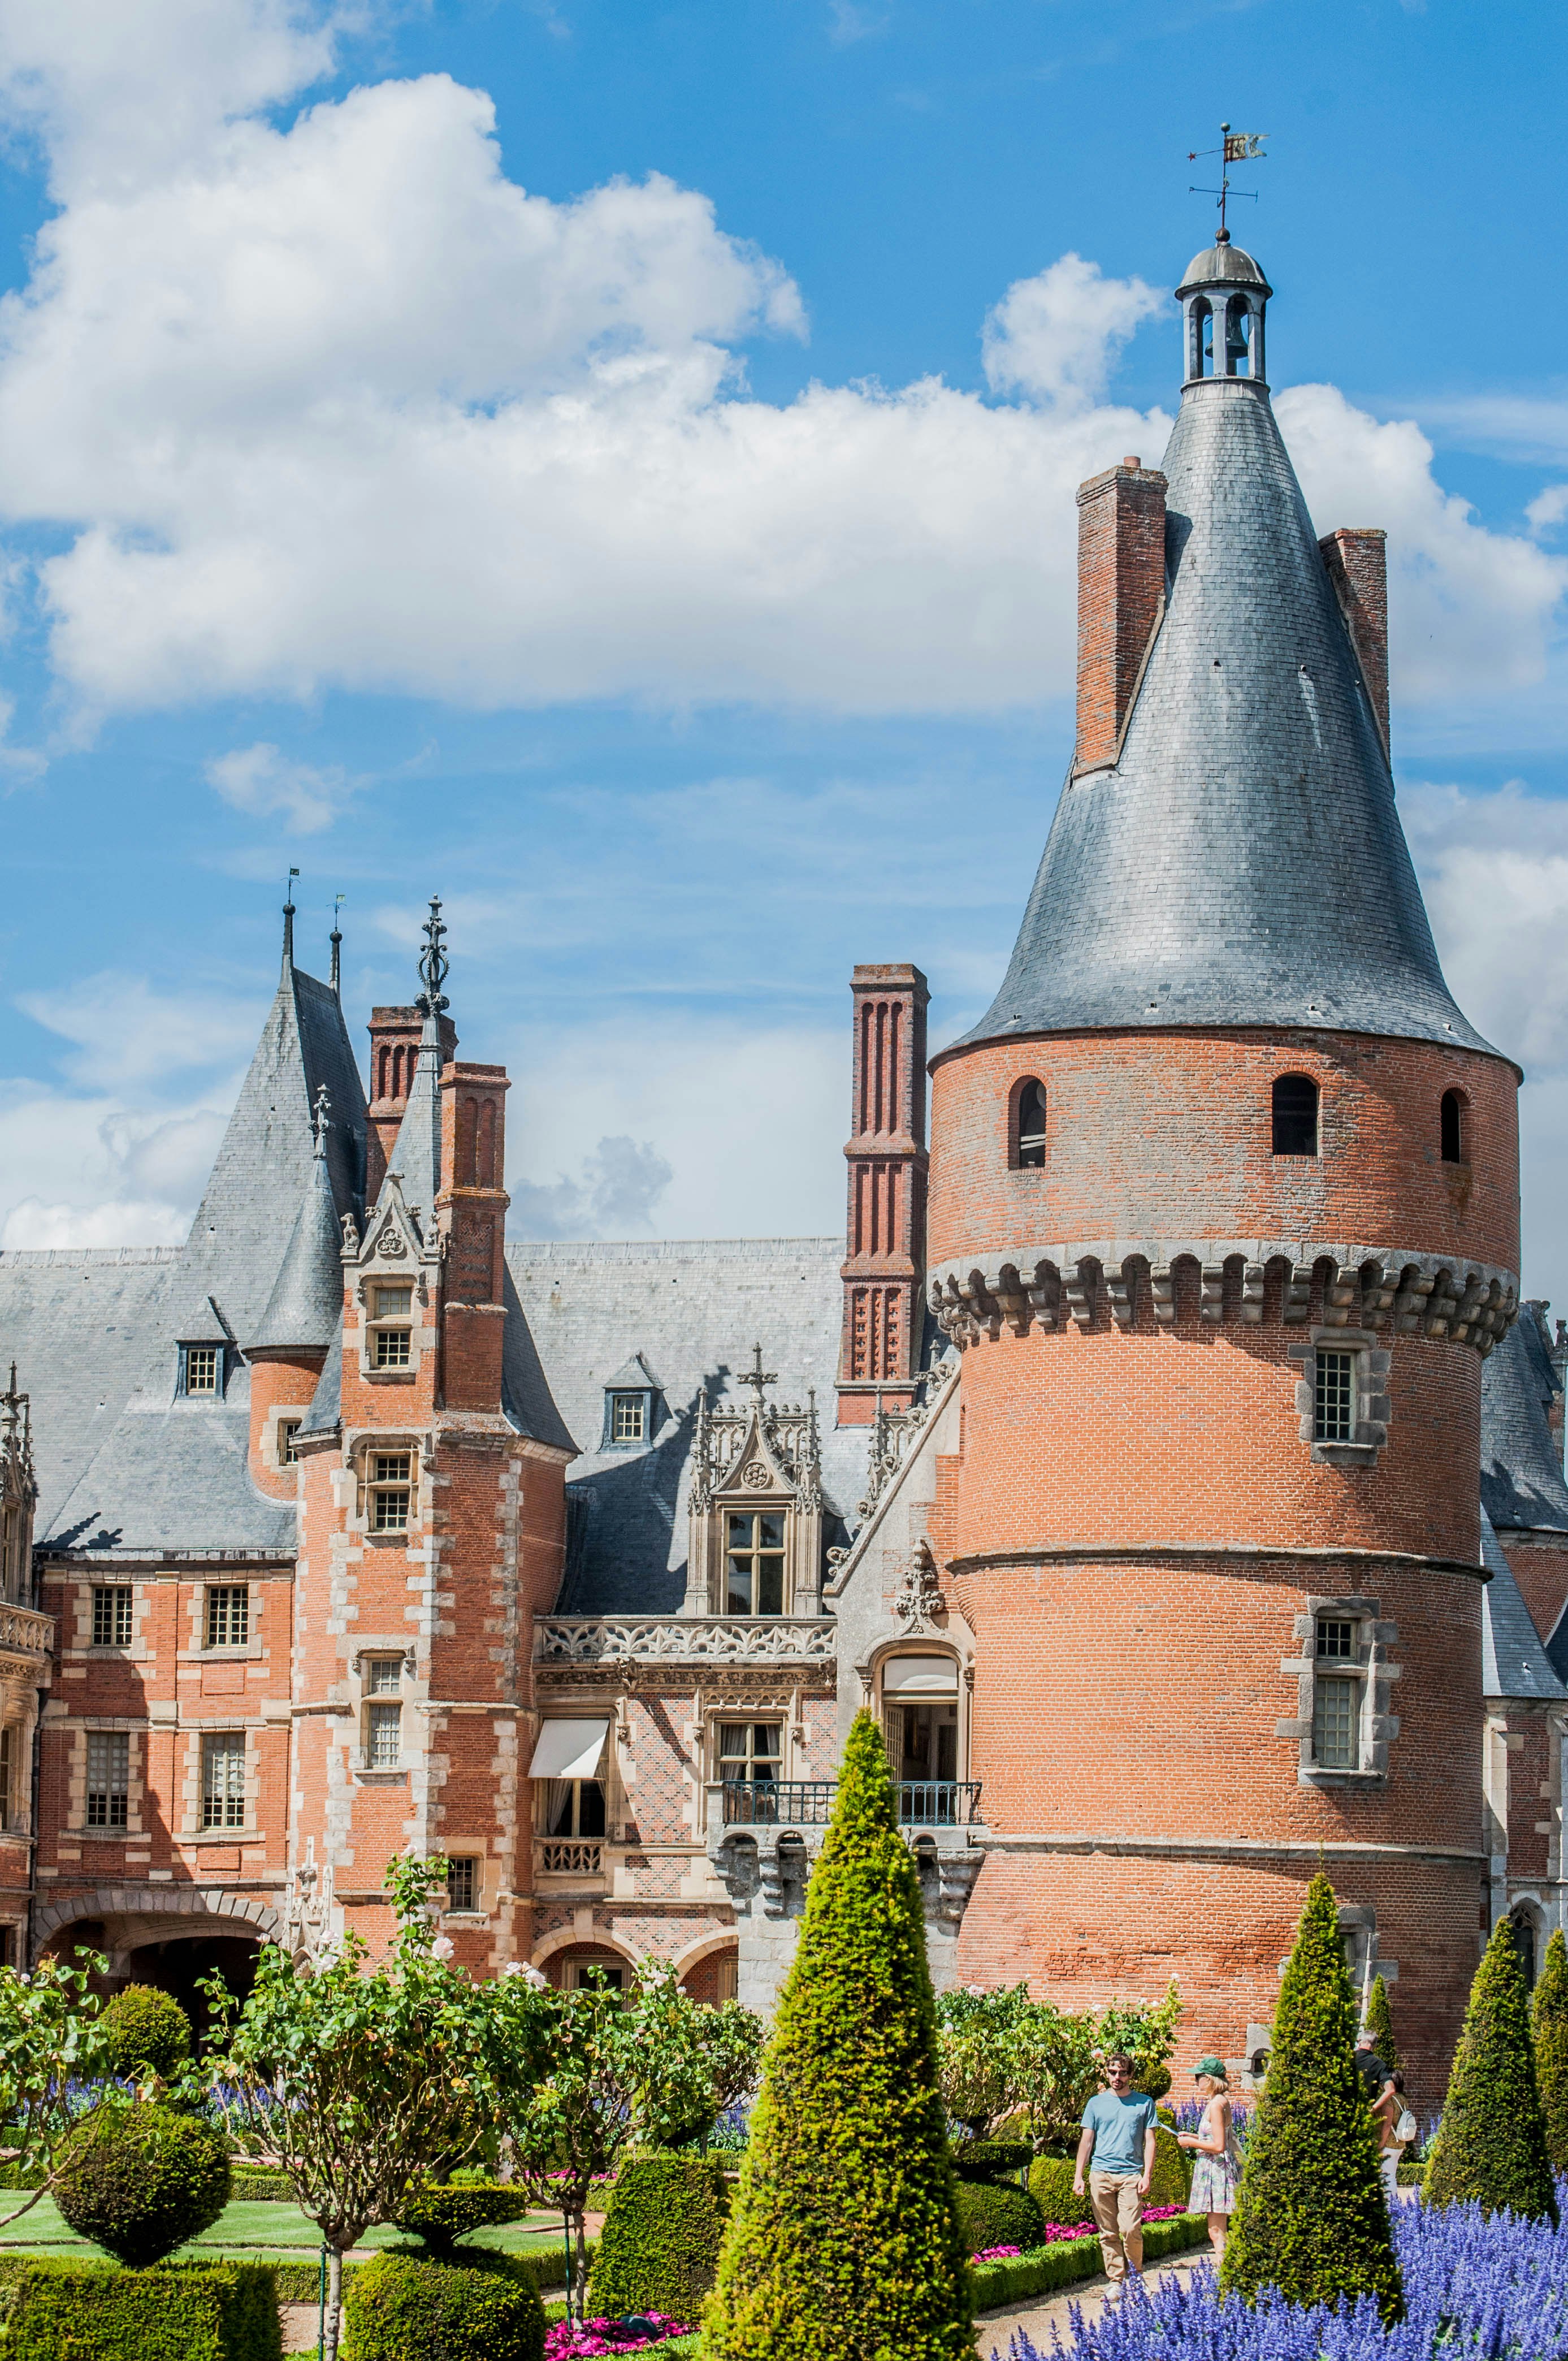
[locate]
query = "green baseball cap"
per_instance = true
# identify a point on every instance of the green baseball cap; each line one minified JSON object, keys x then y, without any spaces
{"x":1215,"y":2066}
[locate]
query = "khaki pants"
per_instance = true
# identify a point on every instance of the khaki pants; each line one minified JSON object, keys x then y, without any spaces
{"x":1118,"y":2209}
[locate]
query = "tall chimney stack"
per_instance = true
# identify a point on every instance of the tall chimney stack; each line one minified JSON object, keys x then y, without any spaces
{"x":880,"y":1353}
{"x":1120,"y":597}
{"x":1357,"y":560}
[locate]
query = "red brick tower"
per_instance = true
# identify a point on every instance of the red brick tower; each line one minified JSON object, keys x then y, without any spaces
{"x":1223,"y":1214}
{"x":880,"y":1355}
{"x":431,"y":1531}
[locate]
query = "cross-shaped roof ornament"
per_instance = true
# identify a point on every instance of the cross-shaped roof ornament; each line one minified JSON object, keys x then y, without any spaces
{"x":756,"y":1376}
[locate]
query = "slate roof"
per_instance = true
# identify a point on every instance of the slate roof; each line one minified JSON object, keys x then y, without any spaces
{"x":691,"y":1310}
{"x":416,"y":1151}
{"x":1521,"y":1464}
{"x":1244,"y":864}
{"x":1514,"y":1663}
{"x":78,"y":1323}
{"x":305,"y":1307}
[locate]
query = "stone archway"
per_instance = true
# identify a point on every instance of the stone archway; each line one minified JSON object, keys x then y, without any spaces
{"x":163,"y":1935}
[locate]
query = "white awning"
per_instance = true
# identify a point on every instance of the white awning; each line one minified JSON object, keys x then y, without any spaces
{"x":920,"y":1676}
{"x":569,"y":1749}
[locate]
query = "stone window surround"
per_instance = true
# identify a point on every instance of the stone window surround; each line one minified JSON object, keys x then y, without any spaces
{"x":1378,"y":1725}
{"x":1374,"y":1411}
{"x":486,"y":1881}
{"x":357,"y":1455}
{"x":421,"y":1332}
{"x":273,"y":1434}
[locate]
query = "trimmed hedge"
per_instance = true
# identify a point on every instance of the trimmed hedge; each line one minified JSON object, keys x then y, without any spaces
{"x":659,"y":2247}
{"x":148,"y":2032}
{"x":996,"y":2213}
{"x":414,"y":2308}
{"x":1491,"y":2141}
{"x":1071,"y":2259}
{"x":545,"y":2267}
{"x":1548,"y":2018}
{"x":1050,"y":2186}
{"x":251,"y":2185}
{"x":139,"y":2181}
{"x":441,"y":2212}
{"x":61,"y":2309}
{"x":991,"y":2159}
{"x":1171,"y":2180}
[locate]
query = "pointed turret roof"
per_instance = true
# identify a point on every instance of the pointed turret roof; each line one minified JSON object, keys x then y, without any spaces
{"x":1514,"y":1662}
{"x":416,"y":1152}
{"x":305,"y":1307}
{"x":1242,"y":862}
{"x":1521,"y":1463}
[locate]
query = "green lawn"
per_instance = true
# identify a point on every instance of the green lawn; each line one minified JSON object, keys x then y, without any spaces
{"x":257,"y":2229}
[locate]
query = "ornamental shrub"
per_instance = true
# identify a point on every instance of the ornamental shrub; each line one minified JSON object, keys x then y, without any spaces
{"x":139,"y":2181}
{"x":1050,"y":2186}
{"x":442,"y":2211}
{"x":411,"y":2308}
{"x":1491,"y":2142}
{"x":845,"y":2242}
{"x":996,"y":2213}
{"x":1380,"y":2025}
{"x":148,"y":2032}
{"x":1310,"y":2217}
{"x":991,"y":2159}
{"x":1550,"y":2016}
{"x":60,"y":2310}
{"x":659,"y":2247}
{"x":1172,"y":2176}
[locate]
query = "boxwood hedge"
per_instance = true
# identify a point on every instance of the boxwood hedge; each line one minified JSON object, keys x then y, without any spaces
{"x":659,"y":2247}
{"x":416,"y":2308}
{"x":65,"y":2310}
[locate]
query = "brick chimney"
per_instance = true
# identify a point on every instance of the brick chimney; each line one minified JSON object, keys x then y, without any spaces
{"x":394,"y":1046}
{"x":1120,"y":597}
{"x":471,"y":1207}
{"x":879,"y":1356}
{"x":1357,"y":561}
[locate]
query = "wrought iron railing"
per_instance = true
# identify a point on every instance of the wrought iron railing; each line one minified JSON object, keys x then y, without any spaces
{"x":570,"y":1855}
{"x":808,"y":1803}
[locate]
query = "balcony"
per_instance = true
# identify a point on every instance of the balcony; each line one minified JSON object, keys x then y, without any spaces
{"x":808,"y":1803}
{"x":571,"y":1857}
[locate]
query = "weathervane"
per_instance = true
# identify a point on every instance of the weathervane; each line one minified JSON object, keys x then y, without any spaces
{"x":1235,"y":147}
{"x":433,"y":964}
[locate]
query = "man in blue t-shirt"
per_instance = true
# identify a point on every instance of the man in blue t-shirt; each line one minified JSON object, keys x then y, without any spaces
{"x":1118,"y":2153}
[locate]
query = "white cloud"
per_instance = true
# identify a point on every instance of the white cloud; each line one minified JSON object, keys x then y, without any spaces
{"x":614,"y":1195}
{"x":1548,"y":509}
{"x":125,"y":1033}
{"x":339,"y":404}
{"x":90,"y":1171}
{"x":265,"y":782}
{"x":1057,"y":335}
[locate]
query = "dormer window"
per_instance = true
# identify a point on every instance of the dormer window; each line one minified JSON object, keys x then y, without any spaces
{"x":631,"y":1394}
{"x":201,"y":1368}
{"x":628,"y":1417}
{"x":392,"y":1335}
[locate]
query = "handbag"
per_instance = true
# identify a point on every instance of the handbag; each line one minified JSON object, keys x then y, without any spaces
{"x":1405,"y":2130}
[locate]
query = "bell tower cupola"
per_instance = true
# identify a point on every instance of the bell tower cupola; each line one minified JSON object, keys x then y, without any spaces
{"x":1224,"y":296}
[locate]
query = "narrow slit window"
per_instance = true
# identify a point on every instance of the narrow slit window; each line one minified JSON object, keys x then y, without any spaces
{"x":8,"y":1736}
{"x":1335,"y":1705}
{"x":1031,"y":1126}
{"x":1334,"y":1398}
{"x":1451,"y":1122}
{"x":1295,"y":1116}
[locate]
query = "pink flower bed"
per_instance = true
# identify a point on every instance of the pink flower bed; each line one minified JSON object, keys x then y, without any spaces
{"x":565,"y":2342}
{"x":996,"y":2254}
{"x":1056,"y":2231}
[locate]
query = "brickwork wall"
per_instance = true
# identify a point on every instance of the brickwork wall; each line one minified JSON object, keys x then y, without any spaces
{"x":1169,"y":1135}
{"x":280,"y":1389}
{"x":1540,"y":1569}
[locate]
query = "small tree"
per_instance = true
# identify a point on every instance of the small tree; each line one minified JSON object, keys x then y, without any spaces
{"x":608,"y":2071}
{"x":845,"y":2242}
{"x":1491,"y":2144}
{"x":52,"y":2041}
{"x":1380,"y":2025}
{"x":359,"y":2078}
{"x":1550,"y":2026}
{"x":1310,"y":2215}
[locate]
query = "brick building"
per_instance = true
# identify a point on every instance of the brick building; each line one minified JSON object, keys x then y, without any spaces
{"x":1161,"y":1454}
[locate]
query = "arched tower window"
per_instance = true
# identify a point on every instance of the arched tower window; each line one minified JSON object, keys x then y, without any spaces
{"x":1200,"y":338}
{"x":1295,"y":1116}
{"x":1451,"y":1120}
{"x":1237,"y":320}
{"x":1030,"y":1126}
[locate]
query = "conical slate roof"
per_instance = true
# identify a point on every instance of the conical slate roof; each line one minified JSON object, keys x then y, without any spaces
{"x":1514,"y":1663}
{"x":1243,"y":863}
{"x":1521,"y":1466}
{"x":305,"y":1307}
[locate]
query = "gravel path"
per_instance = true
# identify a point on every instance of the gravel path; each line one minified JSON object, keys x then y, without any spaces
{"x":994,"y":2328}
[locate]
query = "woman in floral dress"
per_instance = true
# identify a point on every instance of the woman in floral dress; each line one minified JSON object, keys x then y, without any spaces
{"x":1219,"y":2165}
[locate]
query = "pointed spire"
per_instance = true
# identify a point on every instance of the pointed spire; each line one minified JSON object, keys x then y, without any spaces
{"x":416,"y":1153}
{"x":289,"y":924}
{"x":337,"y":903}
{"x":306,"y":1303}
{"x":1238,"y":860}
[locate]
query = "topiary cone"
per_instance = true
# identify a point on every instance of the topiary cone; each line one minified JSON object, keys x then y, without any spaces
{"x":1550,"y":2016}
{"x":1380,"y":2025}
{"x":844,"y":2244}
{"x":1309,"y":2216}
{"x":1491,"y":2144}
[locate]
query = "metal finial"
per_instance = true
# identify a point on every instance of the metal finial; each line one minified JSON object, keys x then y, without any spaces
{"x":433,"y":964}
{"x":320,"y":1123}
{"x":338,"y":901}
{"x":289,"y":919}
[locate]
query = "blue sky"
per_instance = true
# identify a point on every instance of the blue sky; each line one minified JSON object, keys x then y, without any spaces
{"x":672,"y":564}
